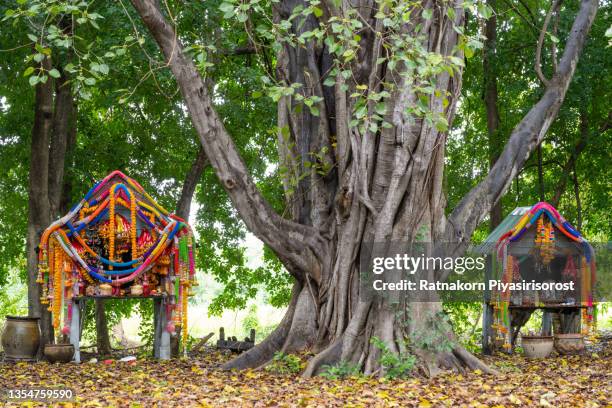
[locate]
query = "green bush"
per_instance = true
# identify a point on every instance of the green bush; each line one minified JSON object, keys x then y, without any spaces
{"x":434,"y":335}
{"x":396,"y":365}
{"x":341,"y":370}
{"x":285,"y":364}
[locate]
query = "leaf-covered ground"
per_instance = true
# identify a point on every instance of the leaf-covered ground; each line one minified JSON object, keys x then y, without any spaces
{"x":558,"y":382}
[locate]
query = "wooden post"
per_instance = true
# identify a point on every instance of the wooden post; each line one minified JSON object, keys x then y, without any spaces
{"x":547,"y":320}
{"x":487,"y":329}
{"x":164,"y":338}
{"x":75,"y":330}
{"x":487,"y":310}
{"x":252,"y":336}
{"x":157,"y":326}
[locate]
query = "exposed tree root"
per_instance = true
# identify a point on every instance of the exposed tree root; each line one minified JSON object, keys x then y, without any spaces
{"x":472,"y":362}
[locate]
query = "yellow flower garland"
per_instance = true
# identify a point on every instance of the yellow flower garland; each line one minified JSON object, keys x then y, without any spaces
{"x":111,"y":227}
{"x":57,"y":285}
{"x":133,"y":226}
{"x":184,"y":337}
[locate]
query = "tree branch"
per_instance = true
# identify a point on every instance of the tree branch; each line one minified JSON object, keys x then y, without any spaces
{"x":189,"y":185}
{"x":296,"y":245}
{"x":538,"y":64}
{"x":526,"y":135}
{"x":571,"y":162}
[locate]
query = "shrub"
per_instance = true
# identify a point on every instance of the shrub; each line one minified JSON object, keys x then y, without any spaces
{"x":396,"y":365}
{"x":341,"y":370}
{"x":285,"y":364}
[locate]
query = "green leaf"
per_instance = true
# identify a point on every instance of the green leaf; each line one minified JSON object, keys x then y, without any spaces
{"x":441,"y":124}
{"x":54,"y":73}
{"x":317,"y":12}
{"x":32,"y":37}
{"x":427,"y":14}
{"x":34,"y":80}
{"x":28,"y":71}
{"x":361,"y":112}
{"x":329,"y":81}
{"x":485,"y":11}
{"x":226,"y":7}
{"x":348,"y":54}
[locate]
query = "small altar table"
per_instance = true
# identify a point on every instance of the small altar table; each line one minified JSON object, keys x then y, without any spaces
{"x":161,"y":339}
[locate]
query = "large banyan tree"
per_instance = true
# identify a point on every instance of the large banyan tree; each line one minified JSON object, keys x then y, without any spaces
{"x":365,"y":92}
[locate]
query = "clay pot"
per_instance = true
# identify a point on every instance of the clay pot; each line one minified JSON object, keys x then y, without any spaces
{"x":537,"y":346}
{"x":570,"y":343}
{"x":21,"y":338}
{"x":59,"y":353}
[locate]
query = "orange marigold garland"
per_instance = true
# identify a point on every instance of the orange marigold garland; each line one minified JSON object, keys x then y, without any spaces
{"x":111,"y":227}
{"x":84,"y":248}
{"x":133,"y":227}
{"x":185,"y":298}
{"x":57,"y":285}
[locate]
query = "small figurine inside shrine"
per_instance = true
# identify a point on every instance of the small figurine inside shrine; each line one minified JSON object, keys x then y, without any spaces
{"x":117,"y":242}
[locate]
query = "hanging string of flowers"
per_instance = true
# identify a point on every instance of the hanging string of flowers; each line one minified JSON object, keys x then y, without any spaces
{"x":547,"y":222}
{"x":72,"y":250}
{"x":58,"y":269}
{"x":111,"y":228}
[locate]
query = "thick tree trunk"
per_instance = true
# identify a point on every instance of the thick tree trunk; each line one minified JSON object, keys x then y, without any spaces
{"x":489,"y":65}
{"x":102,"y":335}
{"x":63,"y":127}
{"x":385,"y":182}
{"x":66,"y":196}
{"x":53,"y":134}
{"x":38,"y":201}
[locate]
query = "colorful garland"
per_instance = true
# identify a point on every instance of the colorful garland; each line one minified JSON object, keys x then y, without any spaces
{"x":71,"y":262}
{"x":547,"y":220}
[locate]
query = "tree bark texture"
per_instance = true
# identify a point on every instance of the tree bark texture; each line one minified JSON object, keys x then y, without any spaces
{"x":103,"y":345}
{"x":62,"y":126}
{"x":39,"y":214}
{"x":53,"y":134}
{"x":189,"y":185}
{"x":384,"y":185}
{"x":489,"y":65}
